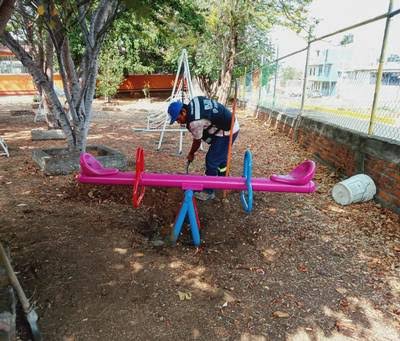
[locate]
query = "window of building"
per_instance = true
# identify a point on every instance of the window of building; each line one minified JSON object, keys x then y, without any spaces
{"x":391,"y":78}
{"x":372,"y":78}
{"x":327,"y":70}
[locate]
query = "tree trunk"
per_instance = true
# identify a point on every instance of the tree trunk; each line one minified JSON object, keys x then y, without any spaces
{"x":48,"y":67}
{"x":41,"y":80}
{"x":79,"y":90}
{"x":226,"y":77}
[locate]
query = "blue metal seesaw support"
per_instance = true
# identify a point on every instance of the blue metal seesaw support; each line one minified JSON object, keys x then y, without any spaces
{"x":188,"y":208}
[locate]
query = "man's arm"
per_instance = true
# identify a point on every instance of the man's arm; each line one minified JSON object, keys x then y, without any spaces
{"x":195,"y":147}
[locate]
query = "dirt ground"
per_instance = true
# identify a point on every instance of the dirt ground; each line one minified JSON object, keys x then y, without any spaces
{"x":299,"y":267}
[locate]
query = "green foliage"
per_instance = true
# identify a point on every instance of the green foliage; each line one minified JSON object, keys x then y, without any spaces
{"x":347,"y":39}
{"x":266,"y":73}
{"x":150,"y":35}
{"x":148,"y":32}
{"x":290,"y":73}
{"x":111,"y":71}
{"x":240,"y":27}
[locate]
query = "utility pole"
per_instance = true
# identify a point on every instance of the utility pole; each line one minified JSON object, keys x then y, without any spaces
{"x":303,"y":94}
{"x":380,"y":71}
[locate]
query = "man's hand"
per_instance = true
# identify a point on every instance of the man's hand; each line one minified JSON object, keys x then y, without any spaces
{"x":190,"y":157}
{"x":195,"y":146}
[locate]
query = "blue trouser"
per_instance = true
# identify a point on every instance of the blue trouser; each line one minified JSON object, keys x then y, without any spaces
{"x":217,"y":155}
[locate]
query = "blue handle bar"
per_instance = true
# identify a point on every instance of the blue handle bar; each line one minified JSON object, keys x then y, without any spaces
{"x":247,"y":172}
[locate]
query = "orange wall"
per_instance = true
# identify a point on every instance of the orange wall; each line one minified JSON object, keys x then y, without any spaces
{"x":160,"y":82}
{"x":4,"y":53}
{"x":22,"y":84}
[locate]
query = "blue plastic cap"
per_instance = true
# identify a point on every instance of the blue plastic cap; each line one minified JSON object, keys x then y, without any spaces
{"x":174,"y":109}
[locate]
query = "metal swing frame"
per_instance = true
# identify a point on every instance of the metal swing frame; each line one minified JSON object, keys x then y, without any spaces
{"x":182,"y":90}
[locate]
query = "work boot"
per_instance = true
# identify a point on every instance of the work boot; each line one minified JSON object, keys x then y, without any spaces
{"x":204,"y":196}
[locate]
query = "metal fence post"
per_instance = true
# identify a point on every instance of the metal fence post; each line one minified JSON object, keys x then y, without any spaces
{"x":303,"y":94}
{"x":275,"y":77}
{"x":380,"y":71}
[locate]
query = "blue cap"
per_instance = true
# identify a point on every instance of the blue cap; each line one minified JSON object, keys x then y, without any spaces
{"x":174,"y":109}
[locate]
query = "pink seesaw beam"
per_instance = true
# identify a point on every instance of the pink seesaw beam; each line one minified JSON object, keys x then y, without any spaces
{"x":297,"y":181}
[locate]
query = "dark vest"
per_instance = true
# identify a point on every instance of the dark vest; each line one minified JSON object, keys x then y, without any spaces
{"x":204,"y":108}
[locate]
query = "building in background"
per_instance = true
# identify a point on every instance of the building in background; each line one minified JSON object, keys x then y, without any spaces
{"x":346,"y":71}
{"x":325,"y":69}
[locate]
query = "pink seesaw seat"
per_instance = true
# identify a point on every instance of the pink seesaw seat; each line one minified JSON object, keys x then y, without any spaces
{"x":91,"y":167}
{"x":301,"y":175}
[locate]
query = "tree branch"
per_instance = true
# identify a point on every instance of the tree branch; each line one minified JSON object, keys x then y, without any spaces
{"x":6,"y":9}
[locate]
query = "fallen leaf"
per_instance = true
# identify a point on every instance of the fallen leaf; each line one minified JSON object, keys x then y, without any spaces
{"x":302,"y":268}
{"x":341,"y":290}
{"x":69,"y":338}
{"x":336,"y":209}
{"x":260,"y":271}
{"x":40,"y":9}
{"x":296,"y":213}
{"x":184,"y":295}
{"x":344,"y":303}
{"x":345,"y":326}
{"x":269,"y":254}
{"x":120,"y":250}
{"x":228,"y":297}
{"x":280,"y":314}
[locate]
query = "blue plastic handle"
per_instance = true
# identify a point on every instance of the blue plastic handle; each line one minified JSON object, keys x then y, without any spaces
{"x":247,"y":172}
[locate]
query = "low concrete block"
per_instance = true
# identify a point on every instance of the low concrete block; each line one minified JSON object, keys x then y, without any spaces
{"x":43,"y":134}
{"x":59,"y":161}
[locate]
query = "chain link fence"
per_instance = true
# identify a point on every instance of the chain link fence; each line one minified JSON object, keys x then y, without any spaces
{"x":334,"y":79}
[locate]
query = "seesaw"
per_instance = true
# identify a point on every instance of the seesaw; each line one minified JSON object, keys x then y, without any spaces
{"x":299,"y":180}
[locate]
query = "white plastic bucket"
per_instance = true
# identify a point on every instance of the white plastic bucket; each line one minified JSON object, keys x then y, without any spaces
{"x":355,"y":189}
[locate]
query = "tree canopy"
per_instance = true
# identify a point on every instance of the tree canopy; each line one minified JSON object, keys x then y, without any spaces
{"x":236,"y":37}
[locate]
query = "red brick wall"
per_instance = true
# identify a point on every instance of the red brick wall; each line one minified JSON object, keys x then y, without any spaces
{"x":387,"y":178}
{"x":347,"y":152}
{"x":338,"y":156}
